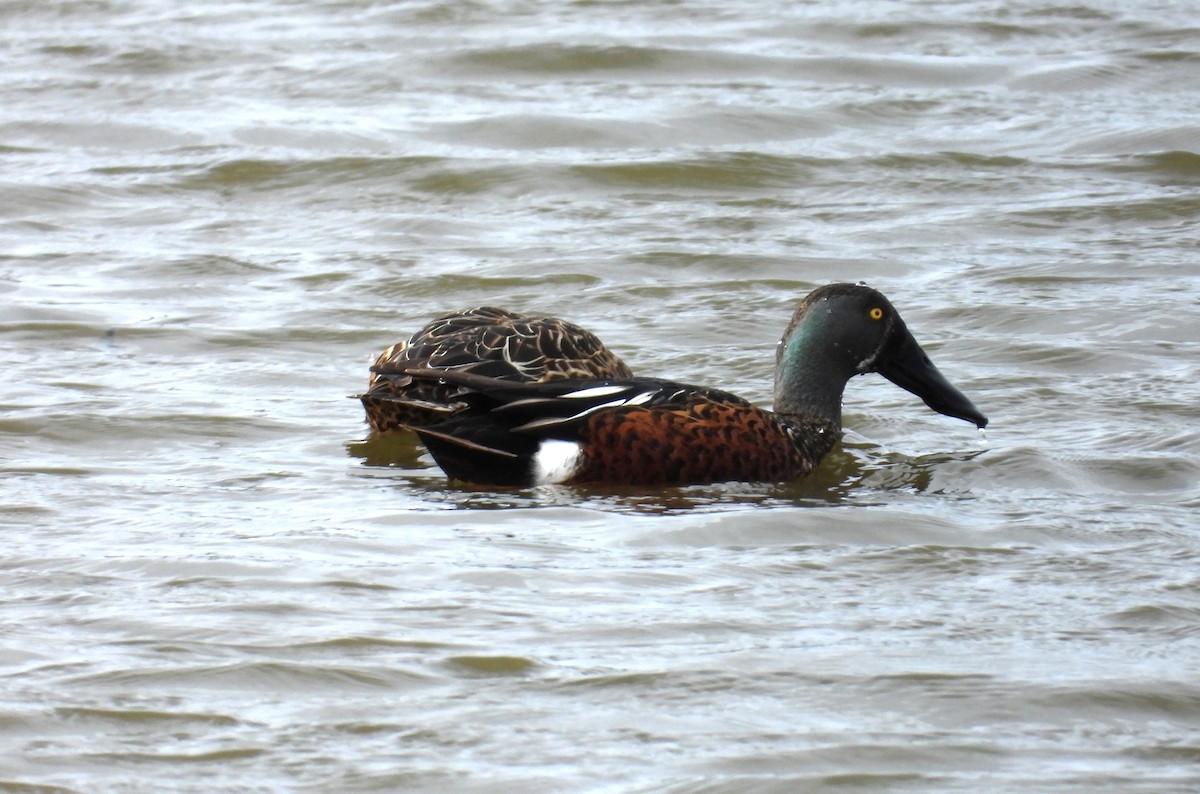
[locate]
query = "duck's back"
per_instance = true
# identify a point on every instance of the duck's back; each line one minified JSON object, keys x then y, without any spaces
{"x":487,"y":341}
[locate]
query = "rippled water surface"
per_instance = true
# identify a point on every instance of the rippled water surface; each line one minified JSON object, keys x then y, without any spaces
{"x":214,"y":215}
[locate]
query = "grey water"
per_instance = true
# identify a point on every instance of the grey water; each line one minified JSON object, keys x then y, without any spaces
{"x":213,"y":216}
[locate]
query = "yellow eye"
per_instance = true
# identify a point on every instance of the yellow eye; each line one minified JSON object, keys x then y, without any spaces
{"x":876,"y":313}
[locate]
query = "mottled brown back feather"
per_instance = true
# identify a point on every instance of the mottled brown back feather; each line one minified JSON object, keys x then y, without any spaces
{"x":486,"y":341}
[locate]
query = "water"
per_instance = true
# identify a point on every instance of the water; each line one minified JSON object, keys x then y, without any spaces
{"x":213,"y":216}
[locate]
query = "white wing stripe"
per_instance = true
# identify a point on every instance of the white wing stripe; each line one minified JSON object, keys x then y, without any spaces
{"x":594,"y":391}
{"x":638,"y":399}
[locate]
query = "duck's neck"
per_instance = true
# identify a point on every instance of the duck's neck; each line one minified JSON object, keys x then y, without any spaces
{"x":810,"y":377}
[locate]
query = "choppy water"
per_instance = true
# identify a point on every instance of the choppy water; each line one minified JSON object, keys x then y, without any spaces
{"x":213,"y":215}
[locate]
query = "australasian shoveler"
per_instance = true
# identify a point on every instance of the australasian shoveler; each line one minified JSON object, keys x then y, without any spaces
{"x":485,"y":341}
{"x":646,"y":431}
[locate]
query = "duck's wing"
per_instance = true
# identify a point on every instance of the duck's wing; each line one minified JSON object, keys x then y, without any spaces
{"x":637,"y":431}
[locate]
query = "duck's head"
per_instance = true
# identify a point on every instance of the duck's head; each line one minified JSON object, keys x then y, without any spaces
{"x":842,"y":330}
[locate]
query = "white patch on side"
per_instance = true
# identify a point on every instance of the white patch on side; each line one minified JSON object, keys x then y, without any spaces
{"x":556,"y":461}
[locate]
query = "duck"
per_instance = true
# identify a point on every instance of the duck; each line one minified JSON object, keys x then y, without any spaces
{"x":487,"y":341}
{"x":647,"y":431}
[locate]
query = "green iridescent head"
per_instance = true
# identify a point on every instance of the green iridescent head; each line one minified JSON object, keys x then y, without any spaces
{"x":842,"y":330}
